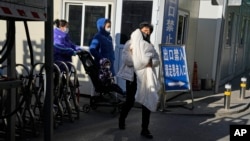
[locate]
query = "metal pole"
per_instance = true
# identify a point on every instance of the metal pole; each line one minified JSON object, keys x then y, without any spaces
{"x":161,"y":91}
{"x":48,"y":104}
{"x":227,"y":96}
{"x":243,"y":85}
{"x":218,"y":66}
{"x":11,"y":63}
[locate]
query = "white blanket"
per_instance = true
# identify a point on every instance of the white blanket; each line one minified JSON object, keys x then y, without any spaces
{"x":147,"y":83}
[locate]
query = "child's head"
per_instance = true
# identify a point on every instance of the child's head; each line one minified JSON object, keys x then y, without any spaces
{"x":105,"y":63}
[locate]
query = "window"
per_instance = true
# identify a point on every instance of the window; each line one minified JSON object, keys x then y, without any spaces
{"x":75,"y":23}
{"x":133,"y":13}
{"x":92,"y":13}
{"x":82,"y":19}
{"x":182,"y":28}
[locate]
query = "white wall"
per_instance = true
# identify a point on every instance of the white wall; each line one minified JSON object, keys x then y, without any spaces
{"x":36,"y":30}
{"x":208,"y":39}
{"x":3,"y":32}
{"x":192,"y":7}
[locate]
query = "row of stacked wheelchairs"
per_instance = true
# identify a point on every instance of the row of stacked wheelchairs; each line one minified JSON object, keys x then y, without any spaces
{"x":30,"y":98}
{"x":30,"y":95}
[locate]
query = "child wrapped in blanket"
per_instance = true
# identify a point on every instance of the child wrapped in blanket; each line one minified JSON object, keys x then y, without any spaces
{"x":105,"y":74}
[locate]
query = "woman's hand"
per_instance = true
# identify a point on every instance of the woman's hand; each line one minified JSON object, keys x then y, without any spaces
{"x":149,"y":63}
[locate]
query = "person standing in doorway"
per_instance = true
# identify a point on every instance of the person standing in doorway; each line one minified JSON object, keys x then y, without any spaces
{"x":101,"y":45}
{"x":138,"y":55}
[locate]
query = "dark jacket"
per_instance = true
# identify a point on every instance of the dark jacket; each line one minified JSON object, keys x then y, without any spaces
{"x":101,"y":45}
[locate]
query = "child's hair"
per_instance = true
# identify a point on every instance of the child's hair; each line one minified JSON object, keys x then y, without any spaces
{"x":60,"y":23}
{"x":107,"y":21}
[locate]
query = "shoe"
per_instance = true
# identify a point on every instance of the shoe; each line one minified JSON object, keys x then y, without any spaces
{"x":146,"y":134}
{"x":121,"y":124}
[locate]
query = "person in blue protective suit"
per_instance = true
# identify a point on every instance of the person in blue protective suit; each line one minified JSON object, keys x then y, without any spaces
{"x":64,"y":48}
{"x":101,"y":45}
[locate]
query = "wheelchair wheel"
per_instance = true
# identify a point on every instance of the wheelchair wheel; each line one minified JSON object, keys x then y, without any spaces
{"x":86,"y":108}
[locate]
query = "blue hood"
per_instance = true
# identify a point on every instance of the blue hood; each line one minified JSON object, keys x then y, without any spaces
{"x":101,"y":45}
{"x":100,"y":25}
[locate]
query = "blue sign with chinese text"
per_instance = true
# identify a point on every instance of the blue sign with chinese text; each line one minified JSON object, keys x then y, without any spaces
{"x":174,"y":67}
{"x":170,"y":21}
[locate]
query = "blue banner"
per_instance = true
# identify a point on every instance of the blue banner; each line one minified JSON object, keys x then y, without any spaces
{"x":174,"y":67}
{"x":170,"y":21}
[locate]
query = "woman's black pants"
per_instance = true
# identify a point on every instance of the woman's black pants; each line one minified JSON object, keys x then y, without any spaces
{"x":130,"y":99}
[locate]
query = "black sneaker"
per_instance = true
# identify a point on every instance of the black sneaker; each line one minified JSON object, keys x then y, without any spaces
{"x":146,"y":134}
{"x":121,"y":124}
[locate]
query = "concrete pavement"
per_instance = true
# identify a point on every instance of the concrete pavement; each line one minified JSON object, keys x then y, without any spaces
{"x":206,"y":102}
{"x":207,"y":121}
{"x":168,"y":124}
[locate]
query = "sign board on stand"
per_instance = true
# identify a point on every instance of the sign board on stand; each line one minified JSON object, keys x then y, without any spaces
{"x":175,"y":69}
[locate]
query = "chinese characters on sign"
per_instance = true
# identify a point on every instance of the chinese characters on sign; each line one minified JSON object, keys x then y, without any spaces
{"x":170,"y":21}
{"x":175,"y":68}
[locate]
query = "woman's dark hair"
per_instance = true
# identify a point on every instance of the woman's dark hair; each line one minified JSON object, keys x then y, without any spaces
{"x":107,"y":21}
{"x":60,"y":23}
{"x":146,"y":24}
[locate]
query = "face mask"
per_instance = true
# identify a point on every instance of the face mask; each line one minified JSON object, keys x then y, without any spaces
{"x":145,"y":35}
{"x":66,"y":30}
{"x":107,"y":67}
{"x":108,"y":30}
